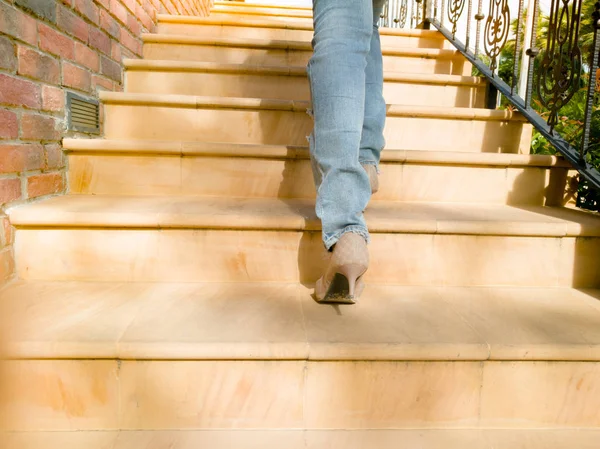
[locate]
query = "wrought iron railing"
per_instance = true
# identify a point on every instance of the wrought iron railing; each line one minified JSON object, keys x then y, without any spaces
{"x":541,"y":56}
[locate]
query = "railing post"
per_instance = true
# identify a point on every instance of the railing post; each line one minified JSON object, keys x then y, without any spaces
{"x":427,"y":14}
{"x":530,"y":29}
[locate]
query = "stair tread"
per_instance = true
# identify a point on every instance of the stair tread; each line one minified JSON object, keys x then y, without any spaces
{"x":216,"y":67}
{"x":393,"y":110}
{"x":288,"y":23}
{"x":392,"y":155}
{"x":298,"y":215}
{"x":273,"y":44}
{"x":227,"y":149}
{"x":281,"y":321}
{"x":309,"y":439}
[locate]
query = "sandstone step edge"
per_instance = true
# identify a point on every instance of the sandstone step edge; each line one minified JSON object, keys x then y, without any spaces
{"x":288,"y":24}
{"x":262,"y":12}
{"x":215,"y":67}
{"x":172,"y":39}
{"x":243,"y":4}
{"x":196,"y":102}
{"x":133,"y":336}
{"x":297,"y":215}
{"x":430,"y":438}
{"x":232,"y":150}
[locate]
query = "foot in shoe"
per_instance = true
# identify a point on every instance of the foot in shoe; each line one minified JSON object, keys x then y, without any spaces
{"x":373,"y":177}
{"x":342,"y":282}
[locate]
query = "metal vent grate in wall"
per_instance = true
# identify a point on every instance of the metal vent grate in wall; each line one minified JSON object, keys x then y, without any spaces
{"x":84,"y":114}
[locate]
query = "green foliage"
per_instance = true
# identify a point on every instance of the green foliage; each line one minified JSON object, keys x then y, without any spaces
{"x":571,"y":116}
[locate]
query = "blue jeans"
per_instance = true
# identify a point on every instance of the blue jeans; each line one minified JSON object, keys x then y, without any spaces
{"x":346,"y":82}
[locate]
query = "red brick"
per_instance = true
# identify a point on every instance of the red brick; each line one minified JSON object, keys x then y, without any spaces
{"x":67,"y":2}
{"x":8,"y":57}
{"x":110,"y":25}
{"x":19,"y":92}
{"x":130,"y":4}
{"x":9,"y":127}
{"x":21,"y":158}
{"x":7,"y":264}
{"x":45,"y":184}
{"x":133,"y":44}
{"x":72,"y":24}
{"x":116,"y":51}
{"x":110,"y":69}
{"x":54,"y":156}
{"x":76,"y":77}
{"x":39,"y":66}
{"x":87,"y":57}
{"x":56,"y":43}
{"x":39,"y":127}
{"x":101,"y":83}
{"x":134,"y":26}
{"x":100,"y":41}
{"x":10,"y":190}
{"x":105,"y":3}
{"x":119,"y":11}
{"x":18,"y":24}
{"x":145,"y":18}
{"x":88,"y":9}
{"x":53,"y":99}
{"x":8,"y":233}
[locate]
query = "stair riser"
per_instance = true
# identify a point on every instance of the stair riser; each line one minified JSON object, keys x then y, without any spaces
{"x":245,"y":255}
{"x":283,"y":34}
{"x":148,"y":395}
{"x":292,"y":88}
{"x":273,"y":178}
{"x":298,"y":58}
{"x":293,"y":127}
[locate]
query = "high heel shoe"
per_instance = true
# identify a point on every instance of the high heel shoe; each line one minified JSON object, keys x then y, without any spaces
{"x":342,"y":282}
{"x":373,"y":177}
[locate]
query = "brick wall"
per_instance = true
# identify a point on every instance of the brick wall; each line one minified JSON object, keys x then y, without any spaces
{"x":49,"y":47}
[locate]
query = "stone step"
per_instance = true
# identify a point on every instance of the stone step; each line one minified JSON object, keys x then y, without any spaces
{"x":187,"y":239}
{"x":265,"y":356}
{"x":243,"y":4}
{"x":284,"y":122}
{"x":260,"y":10}
{"x":109,"y":167}
{"x":285,"y":28}
{"x":291,"y":83}
{"x":230,"y":50}
{"x":310,"y":439}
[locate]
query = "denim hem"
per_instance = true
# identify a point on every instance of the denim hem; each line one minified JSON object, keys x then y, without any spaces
{"x":333,"y":239}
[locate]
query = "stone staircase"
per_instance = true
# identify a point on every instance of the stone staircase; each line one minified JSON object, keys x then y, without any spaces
{"x":166,"y":300}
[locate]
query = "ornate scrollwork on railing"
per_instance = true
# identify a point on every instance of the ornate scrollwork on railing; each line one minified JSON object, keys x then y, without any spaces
{"x":497,"y":28}
{"x":560,"y":69}
{"x":455,"y":10}
{"x":403,"y":13}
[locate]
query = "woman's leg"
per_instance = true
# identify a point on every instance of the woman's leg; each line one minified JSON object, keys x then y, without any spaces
{"x":372,"y":141}
{"x":337,"y":74}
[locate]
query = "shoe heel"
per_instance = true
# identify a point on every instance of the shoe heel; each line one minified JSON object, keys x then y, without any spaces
{"x":353,"y":274}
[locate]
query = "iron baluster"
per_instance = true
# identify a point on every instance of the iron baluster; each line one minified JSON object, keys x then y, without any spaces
{"x":532,"y":52}
{"x":468,"y":36}
{"x":478,"y":17}
{"x":517,"y":48}
{"x":442,"y":10}
{"x":591,"y":94}
{"x":560,"y":69}
{"x":497,"y":27}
